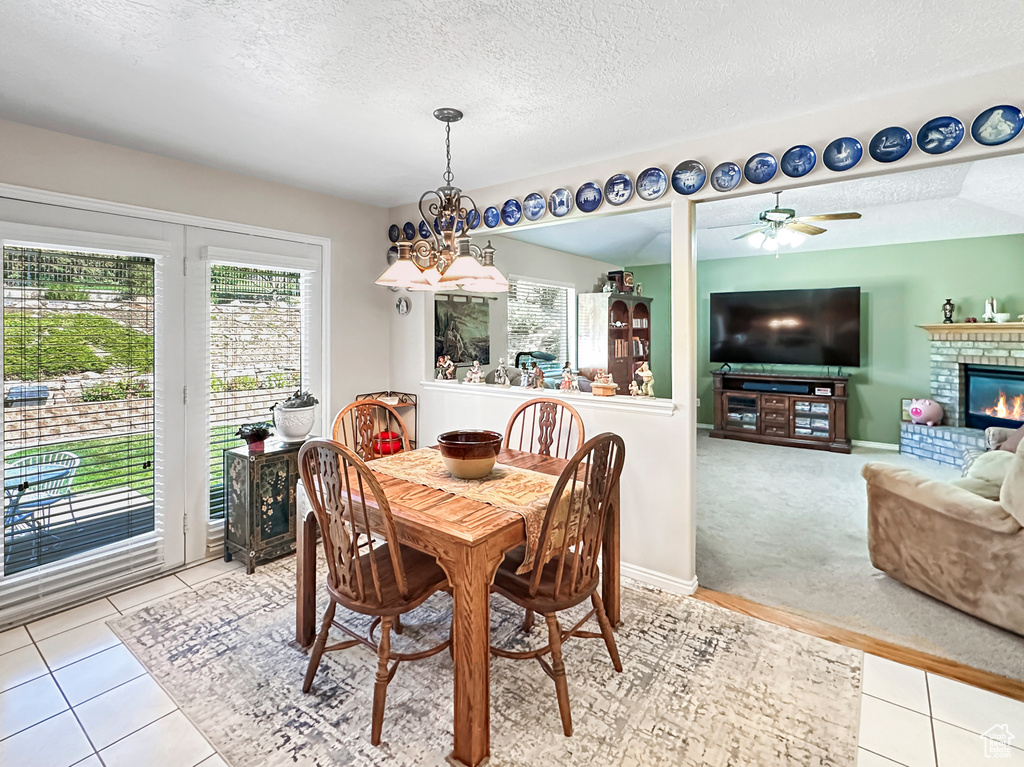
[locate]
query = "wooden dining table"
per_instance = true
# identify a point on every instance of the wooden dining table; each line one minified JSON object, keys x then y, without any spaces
{"x":469,"y":539}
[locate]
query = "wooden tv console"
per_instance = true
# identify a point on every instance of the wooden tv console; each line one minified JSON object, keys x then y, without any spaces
{"x":796,"y":410}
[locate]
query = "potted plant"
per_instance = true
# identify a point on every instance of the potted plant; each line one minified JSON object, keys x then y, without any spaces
{"x":254,"y":434}
{"x":295,"y":416}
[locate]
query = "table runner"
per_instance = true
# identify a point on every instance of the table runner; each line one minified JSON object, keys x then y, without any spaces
{"x":523,"y":491}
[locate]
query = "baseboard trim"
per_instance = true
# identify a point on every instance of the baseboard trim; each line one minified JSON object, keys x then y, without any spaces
{"x":661,"y":581}
{"x":875,"y":445}
{"x":708,"y":426}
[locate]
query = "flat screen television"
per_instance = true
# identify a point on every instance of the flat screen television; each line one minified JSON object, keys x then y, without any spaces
{"x":787,"y":327}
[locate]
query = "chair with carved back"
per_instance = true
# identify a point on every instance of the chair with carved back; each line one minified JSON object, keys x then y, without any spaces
{"x":545,"y":426}
{"x":366,"y":426}
{"x":369,"y":572}
{"x":565,"y":569}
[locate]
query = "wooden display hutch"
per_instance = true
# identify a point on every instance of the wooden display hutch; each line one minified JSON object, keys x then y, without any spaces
{"x":796,"y":410}
{"x":614,"y":335}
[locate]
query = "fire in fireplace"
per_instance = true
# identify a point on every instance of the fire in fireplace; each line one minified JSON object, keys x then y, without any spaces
{"x":995,"y":396}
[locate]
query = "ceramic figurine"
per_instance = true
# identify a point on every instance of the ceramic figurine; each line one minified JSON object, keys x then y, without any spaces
{"x":475,"y":374}
{"x":524,"y":378}
{"x":538,"y":376}
{"x":925,"y":411}
{"x":569,"y":380}
{"x":990,"y":310}
{"x":646,"y":380}
{"x":501,"y":373}
{"x":445,"y":368}
{"x":634,"y":390}
{"x":603,"y":385}
{"x":947,"y":312}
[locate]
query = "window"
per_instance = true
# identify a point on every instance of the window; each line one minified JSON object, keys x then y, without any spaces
{"x":542,"y":317}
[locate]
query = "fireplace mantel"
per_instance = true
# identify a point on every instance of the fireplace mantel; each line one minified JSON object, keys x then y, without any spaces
{"x":975,"y":327}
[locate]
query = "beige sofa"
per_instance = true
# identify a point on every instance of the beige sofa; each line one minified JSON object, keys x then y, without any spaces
{"x":951,"y":543}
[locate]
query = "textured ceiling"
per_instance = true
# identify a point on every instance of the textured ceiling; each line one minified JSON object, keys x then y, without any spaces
{"x":337,"y":97}
{"x":978,"y":199}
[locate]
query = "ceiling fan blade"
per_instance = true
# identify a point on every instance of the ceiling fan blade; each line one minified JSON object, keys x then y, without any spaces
{"x":830,"y":217}
{"x":799,"y":226}
{"x":731,"y":226}
{"x":748,"y":234}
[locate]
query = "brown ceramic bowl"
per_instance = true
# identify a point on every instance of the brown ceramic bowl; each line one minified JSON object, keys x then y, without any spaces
{"x":469,"y":454}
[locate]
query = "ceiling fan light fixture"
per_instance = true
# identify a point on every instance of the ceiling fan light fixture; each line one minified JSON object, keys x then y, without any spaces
{"x":757,"y":239}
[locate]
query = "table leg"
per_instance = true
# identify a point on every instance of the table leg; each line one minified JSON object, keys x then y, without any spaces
{"x":471,"y":571}
{"x":305,"y":579}
{"x":610,"y":561}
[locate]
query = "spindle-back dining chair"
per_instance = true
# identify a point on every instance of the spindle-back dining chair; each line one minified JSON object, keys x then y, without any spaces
{"x":366,"y":427}
{"x":545,"y":426}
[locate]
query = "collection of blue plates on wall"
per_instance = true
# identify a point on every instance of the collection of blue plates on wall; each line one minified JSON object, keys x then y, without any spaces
{"x":993,"y":127}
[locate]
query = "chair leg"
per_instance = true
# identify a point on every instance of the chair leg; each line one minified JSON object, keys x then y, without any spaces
{"x":380,"y":688}
{"x":606,"y":630}
{"x":317,"y":651}
{"x":398,"y":624}
{"x":528,"y":621}
{"x":558,"y":672}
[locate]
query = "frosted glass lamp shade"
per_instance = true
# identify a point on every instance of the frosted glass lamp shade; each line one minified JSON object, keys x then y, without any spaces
{"x":402,"y":274}
{"x":492,"y":282}
{"x":463,"y":269}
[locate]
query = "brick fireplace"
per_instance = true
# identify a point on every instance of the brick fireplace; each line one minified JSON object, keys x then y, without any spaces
{"x":953,"y":349}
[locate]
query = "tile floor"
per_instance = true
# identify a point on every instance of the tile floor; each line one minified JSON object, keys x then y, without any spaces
{"x":72,"y":694}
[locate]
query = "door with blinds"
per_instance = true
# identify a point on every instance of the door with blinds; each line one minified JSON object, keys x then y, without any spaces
{"x":258,"y":322}
{"x":86,"y":376}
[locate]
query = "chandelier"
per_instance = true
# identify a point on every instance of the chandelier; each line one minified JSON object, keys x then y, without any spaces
{"x":446,"y":260}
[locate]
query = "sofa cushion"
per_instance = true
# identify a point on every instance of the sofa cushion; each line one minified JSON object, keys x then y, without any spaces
{"x":1013,"y":441}
{"x":980,"y":487}
{"x":991,"y":467}
{"x":1011,"y":497}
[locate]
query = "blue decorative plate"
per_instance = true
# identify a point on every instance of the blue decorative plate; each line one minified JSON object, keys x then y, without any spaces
{"x":491,"y":217}
{"x":473,"y":218}
{"x":392,"y":254}
{"x":842,"y":154}
{"x":761,"y":168}
{"x":798,"y":161}
{"x":533,"y":206}
{"x":409,"y":230}
{"x":511,"y":212}
{"x":618,"y":189}
{"x":726,"y":177}
{"x":589,"y":197}
{"x":438,"y":227}
{"x":424,"y":230}
{"x":890,"y":144}
{"x":689,"y":176}
{"x":651,"y":184}
{"x":394,"y":233}
{"x":997,"y":125}
{"x":560,"y":202}
{"x":939,"y":135}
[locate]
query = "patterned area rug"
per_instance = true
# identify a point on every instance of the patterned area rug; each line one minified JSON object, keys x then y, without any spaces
{"x":701,"y":686}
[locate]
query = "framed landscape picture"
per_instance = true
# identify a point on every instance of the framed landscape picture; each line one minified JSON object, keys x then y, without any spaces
{"x":462,"y":328}
{"x":905,"y":409}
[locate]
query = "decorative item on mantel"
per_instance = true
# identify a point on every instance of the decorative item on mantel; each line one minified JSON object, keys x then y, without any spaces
{"x":537,"y":376}
{"x":524,"y":378}
{"x":947,"y":311}
{"x":254,"y":435}
{"x":295,"y":416}
{"x":990,"y":310}
{"x":445,"y":368}
{"x":926,"y":411}
{"x":475,"y":374}
{"x":570,"y":382}
{"x":501,"y":374}
{"x":446,"y":260}
{"x":646,"y":376}
{"x":603,"y":385}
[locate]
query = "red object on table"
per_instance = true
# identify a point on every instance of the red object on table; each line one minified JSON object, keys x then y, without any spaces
{"x":387,"y":443}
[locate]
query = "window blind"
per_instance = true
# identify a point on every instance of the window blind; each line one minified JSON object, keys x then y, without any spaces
{"x":255,"y":347}
{"x":78,"y":410}
{"x":539,"y":317}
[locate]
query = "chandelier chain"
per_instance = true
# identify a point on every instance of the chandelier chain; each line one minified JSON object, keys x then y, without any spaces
{"x":448,"y":153}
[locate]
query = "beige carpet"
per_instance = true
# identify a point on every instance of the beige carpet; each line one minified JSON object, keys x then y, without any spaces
{"x":788,"y":528}
{"x":701,"y":687}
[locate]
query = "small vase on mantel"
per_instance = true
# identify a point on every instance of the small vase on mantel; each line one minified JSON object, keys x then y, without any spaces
{"x":947,"y":312}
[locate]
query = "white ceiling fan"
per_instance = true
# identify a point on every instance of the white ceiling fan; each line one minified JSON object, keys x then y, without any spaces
{"x":781,"y":226}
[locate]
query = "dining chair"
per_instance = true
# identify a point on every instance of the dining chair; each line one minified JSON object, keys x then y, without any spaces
{"x":369,"y":572}
{"x":549,"y":427}
{"x":565,"y":569}
{"x":364,"y":428}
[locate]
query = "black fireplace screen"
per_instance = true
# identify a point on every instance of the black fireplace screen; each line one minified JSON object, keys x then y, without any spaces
{"x":995,"y":396}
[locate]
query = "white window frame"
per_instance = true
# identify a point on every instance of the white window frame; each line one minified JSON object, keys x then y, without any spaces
{"x":571,"y":310}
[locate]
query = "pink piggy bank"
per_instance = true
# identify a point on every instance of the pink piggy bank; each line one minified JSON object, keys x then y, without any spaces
{"x":926,"y":411}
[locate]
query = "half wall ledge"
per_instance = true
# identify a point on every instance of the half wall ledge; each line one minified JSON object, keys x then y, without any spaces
{"x":658,"y":407}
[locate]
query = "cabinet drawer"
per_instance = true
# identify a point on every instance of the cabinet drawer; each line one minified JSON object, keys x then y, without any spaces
{"x":776,"y":417}
{"x":774,"y":400}
{"x":776,"y":431}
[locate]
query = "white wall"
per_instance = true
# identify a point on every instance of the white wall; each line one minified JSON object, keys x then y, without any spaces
{"x":41,"y":159}
{"x":659,"y":521}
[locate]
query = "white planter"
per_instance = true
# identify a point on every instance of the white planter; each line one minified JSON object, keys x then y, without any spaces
{"x":294,"y":423}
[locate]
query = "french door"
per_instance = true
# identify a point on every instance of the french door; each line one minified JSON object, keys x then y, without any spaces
{"x":93,"y":353}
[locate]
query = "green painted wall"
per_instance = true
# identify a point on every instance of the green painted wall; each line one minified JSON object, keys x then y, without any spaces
{"x":657,"y":282}
{"x":902,"y":286}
